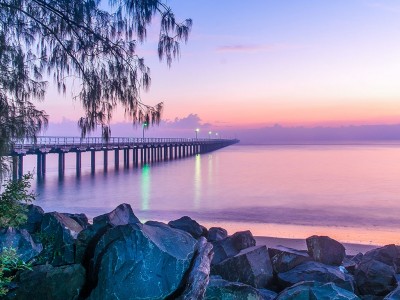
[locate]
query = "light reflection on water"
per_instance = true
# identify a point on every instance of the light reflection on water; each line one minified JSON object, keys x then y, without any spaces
{"x":351,"y":191}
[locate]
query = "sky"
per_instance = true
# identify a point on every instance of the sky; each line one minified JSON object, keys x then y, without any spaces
{"x":254,"y":64}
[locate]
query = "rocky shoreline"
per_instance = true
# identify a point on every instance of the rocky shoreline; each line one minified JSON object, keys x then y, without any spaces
{"x":118,"y":257}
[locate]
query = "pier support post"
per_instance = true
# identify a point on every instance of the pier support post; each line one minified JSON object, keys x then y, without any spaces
{"x":78,"y":162}
{"x":20,"y":165}
{"x":61,"y":163}
{"x":105,"y":155}
{"x":116,"y":159}
{"x":39,"y":164}
{"x":15,"y":167}
{"x":93,"y":161}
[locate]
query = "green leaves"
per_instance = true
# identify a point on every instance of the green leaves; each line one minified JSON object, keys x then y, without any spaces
{"x":16,"y":193}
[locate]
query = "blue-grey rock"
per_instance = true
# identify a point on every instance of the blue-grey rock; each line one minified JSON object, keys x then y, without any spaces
{"x":35,"y":215}
{"x":250,"y":266}
{"x":59,"y":233}
{"x":216,"y":234}
{"x":48,"y":282}
{"x":284,"y":259}
{"x":315,"y":271}
{"x":121,"y":215}
{"x":350,"y":263}
{"x":138,"y":261}
{"x":389,"y":254}
{"x":189,"y":225}
{"x":81,"y":219}
{"x":314,"y":290}
{"x":219,"y":289}
{"x":374,"y":277}
{"x":326,"y":250}
{"x":199,"y":275}
{"x":21,"y":241}
{"x":232,"y":245}
{"x":394,"y":295}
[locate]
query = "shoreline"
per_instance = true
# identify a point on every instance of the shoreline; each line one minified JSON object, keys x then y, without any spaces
{"x":300,"y":244}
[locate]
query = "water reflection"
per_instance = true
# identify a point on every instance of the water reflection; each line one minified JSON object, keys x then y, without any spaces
{"x":145,"y":187}
{"x":197,"y":181}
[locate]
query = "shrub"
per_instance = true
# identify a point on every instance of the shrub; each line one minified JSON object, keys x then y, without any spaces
{"x":16,"y":193}
{"x":9,"y":264}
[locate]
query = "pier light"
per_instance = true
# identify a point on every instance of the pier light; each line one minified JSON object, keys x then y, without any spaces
{"x":196,"y":131}
{"x":209,"y":134}
{"x":216,"y":134}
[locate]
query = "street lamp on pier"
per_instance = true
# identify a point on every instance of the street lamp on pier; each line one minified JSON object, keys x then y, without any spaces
{"x":209,"y":135}
{"x":197,"y":130}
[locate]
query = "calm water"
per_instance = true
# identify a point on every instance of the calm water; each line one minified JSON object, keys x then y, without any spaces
{"x":351,"y":193}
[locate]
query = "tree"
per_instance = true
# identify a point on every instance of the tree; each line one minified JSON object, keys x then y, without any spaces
{"x":79,"y":39}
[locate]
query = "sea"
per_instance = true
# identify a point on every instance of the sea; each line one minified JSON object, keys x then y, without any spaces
{"x":348,"y":192}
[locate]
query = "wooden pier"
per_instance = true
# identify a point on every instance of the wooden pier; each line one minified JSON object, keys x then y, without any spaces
{"x":140,"y":150}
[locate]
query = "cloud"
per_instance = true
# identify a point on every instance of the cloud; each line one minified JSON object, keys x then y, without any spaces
{"x":241,"y":48}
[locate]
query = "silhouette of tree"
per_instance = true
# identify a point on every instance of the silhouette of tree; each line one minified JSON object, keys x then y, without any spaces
{"x":82,"y":40}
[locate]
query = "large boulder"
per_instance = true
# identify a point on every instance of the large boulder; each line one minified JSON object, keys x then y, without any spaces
{"x":58,"y":233}
{"x":222,"y":289}
{"x":48,"y":282}
{"x":232,"y":245}
{"x":138,"y":261}
{"x":284,"y":259}
{"x":21,"y":241}
{"x":374,"y":277}
{"x":311,"y":290}
{"x":325,"y":250}
{"x":216,"y":234}
{"x":34,"y":218}
{"x":250,"y":266}
{"x":121,"y":215}
{"x":389,"y":254}
{"x":199,"y":275}
{"x":88,"y":238}
{"x":315,"y":271}
{"x":189,"y":225}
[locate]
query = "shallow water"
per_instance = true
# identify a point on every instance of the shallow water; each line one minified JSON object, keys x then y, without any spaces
{"x":350,"y":192}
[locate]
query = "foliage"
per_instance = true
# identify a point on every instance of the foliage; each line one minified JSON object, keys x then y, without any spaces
{"x":81,"y":41}
{"x":9,"y":264}
{"x":12,"y":213}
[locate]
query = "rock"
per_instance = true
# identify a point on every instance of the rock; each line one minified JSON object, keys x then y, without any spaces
{"x":216,"y":234}
{"x":389,"y":254}
{"x":88,"y":238}
{"x":350,"y":263}
{"x":121,"y":215}
{"x":315,"y":271}
{"x":189,"y":225}
{"x":35,"y":215}
{"x":316,"y":290}
{"x":221,"y":289}
{"x":58,"y":234}
{"x":325,"y":250}
{"x":232,"y":245}
{"x":81,"y":219}
{"x":394,"y":295}
{"x":374,"y":277}
{"x":199,"y":274}
{"x":138,"y":261}
{"x":250,"y":266}
{"x":48,"y":282}
{"x":283,"y":259}
{"x":21,"y":241}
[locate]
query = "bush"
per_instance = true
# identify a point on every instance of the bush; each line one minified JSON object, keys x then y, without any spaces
{"x":16,"y":193}
{"x":9,"y":264}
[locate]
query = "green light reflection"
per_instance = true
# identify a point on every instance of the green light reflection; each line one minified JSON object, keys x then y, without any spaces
{"x":145,"y":187}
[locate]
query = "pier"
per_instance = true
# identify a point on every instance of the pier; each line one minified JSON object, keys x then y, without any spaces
{"x":139,"y":150}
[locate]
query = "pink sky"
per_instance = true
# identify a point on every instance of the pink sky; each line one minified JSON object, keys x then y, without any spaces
{"x":286,"y":62}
